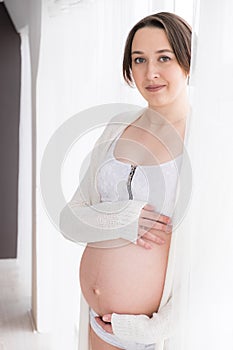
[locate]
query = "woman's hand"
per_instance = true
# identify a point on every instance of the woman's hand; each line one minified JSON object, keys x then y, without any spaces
{"x":152,"y":226}
{"x":142,"y":328}
{"x":105,"y":322}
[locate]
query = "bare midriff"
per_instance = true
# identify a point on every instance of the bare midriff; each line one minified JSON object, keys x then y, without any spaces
{"x":127,"y":279}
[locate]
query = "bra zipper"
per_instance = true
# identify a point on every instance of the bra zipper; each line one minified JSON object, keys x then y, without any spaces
{"x":130,"y":178}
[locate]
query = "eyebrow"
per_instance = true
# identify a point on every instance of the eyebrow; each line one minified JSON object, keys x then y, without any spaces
{"x":159,"y":51}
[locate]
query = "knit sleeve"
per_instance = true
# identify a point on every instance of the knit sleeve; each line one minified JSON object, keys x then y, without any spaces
{"x":86,"y":219}
{"x":101,"y":221}
{"x":142,"y":329}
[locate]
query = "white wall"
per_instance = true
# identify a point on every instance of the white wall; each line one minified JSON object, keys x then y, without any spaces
{"x":26,"y":16}
{"x":19,"y":13}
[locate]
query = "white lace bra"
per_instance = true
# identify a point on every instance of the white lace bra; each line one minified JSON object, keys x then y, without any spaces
{"x":155,"y":184}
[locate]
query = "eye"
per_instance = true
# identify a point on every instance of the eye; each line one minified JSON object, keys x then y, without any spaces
{"x":139,"y":60}
{"x":164,"y":59}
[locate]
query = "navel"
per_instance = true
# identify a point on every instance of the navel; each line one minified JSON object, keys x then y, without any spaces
{"x":96,"y":291}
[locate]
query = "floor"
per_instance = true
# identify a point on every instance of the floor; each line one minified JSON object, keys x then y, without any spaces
{"x":16,"y":328}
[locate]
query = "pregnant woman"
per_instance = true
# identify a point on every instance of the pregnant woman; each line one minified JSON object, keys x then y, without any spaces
{"x":123,"y":208}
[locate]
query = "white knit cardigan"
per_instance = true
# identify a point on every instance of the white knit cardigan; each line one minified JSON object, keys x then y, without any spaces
{"x":86,"y":219}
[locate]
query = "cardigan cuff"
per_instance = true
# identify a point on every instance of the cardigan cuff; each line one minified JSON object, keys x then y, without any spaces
{"x":143,"y":329}
{"x":129,"y":220}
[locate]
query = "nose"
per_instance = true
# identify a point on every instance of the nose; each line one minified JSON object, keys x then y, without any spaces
{"x":152,"y":70}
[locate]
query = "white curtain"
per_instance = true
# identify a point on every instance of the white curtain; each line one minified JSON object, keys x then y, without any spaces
{"x":204,"y":269}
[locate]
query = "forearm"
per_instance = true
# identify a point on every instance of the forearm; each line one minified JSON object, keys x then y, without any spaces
{"x":101,"y":222}
{"x":142,"y":329}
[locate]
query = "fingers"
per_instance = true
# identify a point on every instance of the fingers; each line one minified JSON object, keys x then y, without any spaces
{"x":154,"y":216}
{"x":149,"y":207}
{"x":143,"y":244}
{"x":143,"y":241}
{"x":148,"y":224}
{"x":106,"y":326}
{"x":107,"y":318}
{"x":147,"y":237}
{"x":154,"y":238}
{"x":166,"y":231}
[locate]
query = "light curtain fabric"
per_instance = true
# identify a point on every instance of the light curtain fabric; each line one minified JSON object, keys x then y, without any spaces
{"x":204,"y":270}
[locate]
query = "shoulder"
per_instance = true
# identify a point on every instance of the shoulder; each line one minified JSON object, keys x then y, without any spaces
{"x":119,"y":122}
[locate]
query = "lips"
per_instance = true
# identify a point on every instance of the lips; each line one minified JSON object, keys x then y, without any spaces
{"x":154,"y":88}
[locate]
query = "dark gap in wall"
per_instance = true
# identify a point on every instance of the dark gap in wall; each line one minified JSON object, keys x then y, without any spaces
{"x":10,"y":80}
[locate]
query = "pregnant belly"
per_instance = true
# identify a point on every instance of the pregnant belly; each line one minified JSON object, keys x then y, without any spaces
{"x":128,"y":279}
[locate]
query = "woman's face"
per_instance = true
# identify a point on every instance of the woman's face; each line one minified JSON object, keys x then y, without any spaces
{"x":155,"y":70}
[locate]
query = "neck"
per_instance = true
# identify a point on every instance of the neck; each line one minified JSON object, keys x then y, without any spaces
{"x":175,"y":113}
